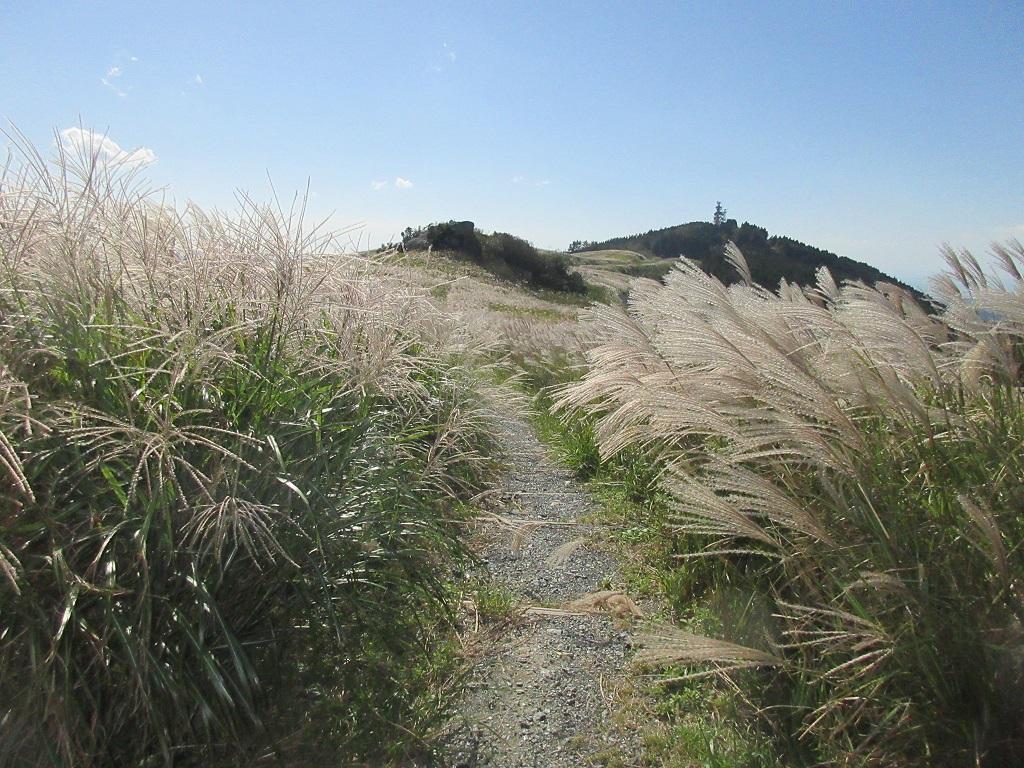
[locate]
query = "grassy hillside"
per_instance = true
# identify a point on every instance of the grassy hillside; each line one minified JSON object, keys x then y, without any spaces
{"x":771,"y":257}
{"x":611,"y":258}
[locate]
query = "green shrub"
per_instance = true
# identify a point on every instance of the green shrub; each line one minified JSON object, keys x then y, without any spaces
{"x":523,"y":261}
{"x":458,"y":236}
{"x":507,"y":256}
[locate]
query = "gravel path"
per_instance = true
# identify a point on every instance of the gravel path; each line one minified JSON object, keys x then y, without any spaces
{"x":543,"y":685}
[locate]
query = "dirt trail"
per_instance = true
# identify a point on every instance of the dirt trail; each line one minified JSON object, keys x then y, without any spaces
{"x":542,"y":687}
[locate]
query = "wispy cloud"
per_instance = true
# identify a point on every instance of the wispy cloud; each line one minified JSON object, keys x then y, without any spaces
{"x":83,"y":140}
{"x":403,"y":183}
{"x":109,"y":82}
{"x":523,"y":180}
{"x":378,"y":185}
{"x":112,"y":79}
{"x":445,"y":59}
{"x":198,"y":79}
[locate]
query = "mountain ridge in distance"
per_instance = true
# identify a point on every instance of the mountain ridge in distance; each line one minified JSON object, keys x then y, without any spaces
{"x":770,"y":257}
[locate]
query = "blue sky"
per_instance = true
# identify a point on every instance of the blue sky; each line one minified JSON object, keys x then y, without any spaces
{"x":876,"y":130}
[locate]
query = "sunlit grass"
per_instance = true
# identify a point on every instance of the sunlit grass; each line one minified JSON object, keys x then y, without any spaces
{"x":844,"y":472}
{"x":231,"y":460}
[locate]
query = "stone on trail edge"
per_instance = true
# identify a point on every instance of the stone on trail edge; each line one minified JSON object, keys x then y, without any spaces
{"x":540,"y":693}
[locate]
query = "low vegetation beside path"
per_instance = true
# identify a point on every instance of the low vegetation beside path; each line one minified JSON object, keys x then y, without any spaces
{"x":236,"y":470}
{"x":232,"y":467}
{"x":825,"y":485}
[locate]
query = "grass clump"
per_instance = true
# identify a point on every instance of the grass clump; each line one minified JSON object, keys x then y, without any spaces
{"x":494,"y":602}
{"x":537,"y":313}
{"x":844,"y":472}
{"x":697,"y":724}
{"x":230,"y":461}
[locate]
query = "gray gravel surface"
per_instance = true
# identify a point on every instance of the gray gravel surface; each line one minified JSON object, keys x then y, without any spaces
{"x":543,"y":685}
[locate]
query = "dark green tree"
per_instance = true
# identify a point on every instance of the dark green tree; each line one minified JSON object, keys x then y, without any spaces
{"x":458,"y":236}
{"x":719,"y":214}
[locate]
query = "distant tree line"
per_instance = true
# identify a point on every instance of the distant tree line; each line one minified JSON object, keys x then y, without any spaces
{"x":771,"y":257}
{"x":581,"y":245}
{"x":507,"y":256}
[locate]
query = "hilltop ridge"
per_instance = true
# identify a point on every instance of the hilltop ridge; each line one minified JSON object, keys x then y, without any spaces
{"x":771,"y":257}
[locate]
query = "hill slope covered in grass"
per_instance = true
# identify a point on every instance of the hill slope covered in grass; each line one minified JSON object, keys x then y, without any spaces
{"x":617,"y":268}
{"x":771,"y":257}
{"x":507,"y":256}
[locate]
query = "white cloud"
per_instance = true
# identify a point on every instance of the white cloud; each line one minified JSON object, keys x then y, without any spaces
{"x":378,"y":185}
{"x":133,"y":58}
{"x":543,"y":182}
{"x":82,"y":140}
{"x":403,"y":183}
{"x":114,"y":72}
{"x":199,"y":79}
{"x":518,"y":179}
